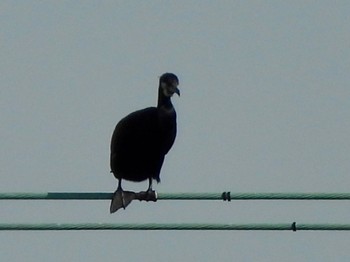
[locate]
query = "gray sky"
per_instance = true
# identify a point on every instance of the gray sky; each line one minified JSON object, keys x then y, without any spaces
{"x":264,"y":107}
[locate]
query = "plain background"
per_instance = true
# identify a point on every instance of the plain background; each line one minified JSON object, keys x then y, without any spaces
{"x":264,"y":107}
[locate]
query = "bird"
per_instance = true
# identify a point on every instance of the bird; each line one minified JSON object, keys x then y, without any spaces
{"x":141,"y":140}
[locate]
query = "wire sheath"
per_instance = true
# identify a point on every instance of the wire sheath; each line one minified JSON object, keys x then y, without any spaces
{"x":178,"y":196}
{"x":186,"y":226}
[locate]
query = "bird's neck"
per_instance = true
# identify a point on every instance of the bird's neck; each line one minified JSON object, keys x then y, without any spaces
{"x":164,"y":101}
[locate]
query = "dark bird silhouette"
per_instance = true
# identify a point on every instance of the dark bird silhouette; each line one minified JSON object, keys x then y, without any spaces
{"x":141,"y":140}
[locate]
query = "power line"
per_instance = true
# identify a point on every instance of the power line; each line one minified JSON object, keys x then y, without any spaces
{"x":183,"y":226}
{"x":226,"y":196}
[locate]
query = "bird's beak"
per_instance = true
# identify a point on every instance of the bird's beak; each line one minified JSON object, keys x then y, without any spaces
{"x":174,"y":88}
{"x":177,"y":91}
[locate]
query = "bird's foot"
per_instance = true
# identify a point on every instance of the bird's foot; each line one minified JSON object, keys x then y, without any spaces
{"x":121,"y":199}
{"x":149,"y":195}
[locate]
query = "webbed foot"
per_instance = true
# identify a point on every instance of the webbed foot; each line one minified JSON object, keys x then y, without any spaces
{"x":121,"y":199}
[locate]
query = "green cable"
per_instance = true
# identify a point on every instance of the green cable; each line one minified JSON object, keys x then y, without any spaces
{"x":183,"y":226}
{"x":178,"y":196}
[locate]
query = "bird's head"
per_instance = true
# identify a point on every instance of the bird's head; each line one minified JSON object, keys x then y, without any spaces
{"x":168,"y":82}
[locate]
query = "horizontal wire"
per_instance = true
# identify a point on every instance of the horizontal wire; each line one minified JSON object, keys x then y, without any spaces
{"x":183,"y":226}
{"x":178,"y":196}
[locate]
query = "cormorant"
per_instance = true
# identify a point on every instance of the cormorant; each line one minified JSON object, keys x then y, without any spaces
{"x":141,"y":140}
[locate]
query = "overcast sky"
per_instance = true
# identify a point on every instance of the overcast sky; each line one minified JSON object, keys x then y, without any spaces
{"x":264,"y":107}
